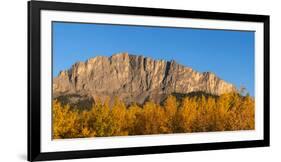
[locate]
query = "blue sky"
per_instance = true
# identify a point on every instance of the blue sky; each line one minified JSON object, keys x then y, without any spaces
{"x":228,"y":54}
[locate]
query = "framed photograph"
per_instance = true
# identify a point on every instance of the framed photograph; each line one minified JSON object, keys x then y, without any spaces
{"x":115,"y":80}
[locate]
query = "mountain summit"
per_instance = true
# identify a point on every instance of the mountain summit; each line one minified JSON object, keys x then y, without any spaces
{"x":133,"y":79}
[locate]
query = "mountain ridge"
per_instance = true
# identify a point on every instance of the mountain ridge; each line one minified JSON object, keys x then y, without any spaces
{"x":134,"y":78}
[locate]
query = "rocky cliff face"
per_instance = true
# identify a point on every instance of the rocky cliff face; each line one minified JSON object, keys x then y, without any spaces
{"x":133,"y":79}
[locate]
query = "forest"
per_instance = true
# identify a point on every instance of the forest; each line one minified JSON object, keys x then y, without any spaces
{"x":199,"y":113}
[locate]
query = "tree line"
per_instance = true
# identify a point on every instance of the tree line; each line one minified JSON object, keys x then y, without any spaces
{"x":227,"y":112}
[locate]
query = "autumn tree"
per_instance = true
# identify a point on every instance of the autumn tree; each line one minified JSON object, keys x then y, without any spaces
{"x":170,"y":107}
{"x":151,"y":119}
{"x":65,"y":121}
{"x":118,"y":118}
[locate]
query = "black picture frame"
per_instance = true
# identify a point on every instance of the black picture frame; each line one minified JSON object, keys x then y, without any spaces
{"x":34,"y":80}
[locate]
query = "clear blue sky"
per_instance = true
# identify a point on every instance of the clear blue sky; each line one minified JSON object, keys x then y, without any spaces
{"x":228,"y":54}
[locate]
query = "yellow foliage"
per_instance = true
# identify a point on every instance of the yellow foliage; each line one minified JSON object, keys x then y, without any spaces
{"x":65,"y":121}
{"x":170,"y":107}
{"x":227,"y":112}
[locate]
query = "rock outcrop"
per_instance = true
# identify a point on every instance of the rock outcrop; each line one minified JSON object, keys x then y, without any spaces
{"x":134,"y":78}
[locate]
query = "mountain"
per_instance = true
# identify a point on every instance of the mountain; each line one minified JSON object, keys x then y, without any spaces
{"x":132,"y":78}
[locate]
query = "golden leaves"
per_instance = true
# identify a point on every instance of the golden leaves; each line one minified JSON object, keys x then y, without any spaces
{"x":191,"y":114}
